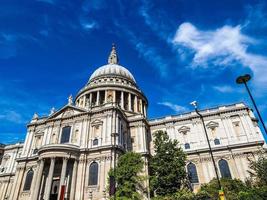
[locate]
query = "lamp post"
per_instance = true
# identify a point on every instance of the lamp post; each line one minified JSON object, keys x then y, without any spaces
{"x":243,"y":80}
{"x":194,"y":103}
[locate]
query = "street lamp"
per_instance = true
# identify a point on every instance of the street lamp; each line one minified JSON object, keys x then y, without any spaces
{"x":243,"y":80}
{"x":194,"y":103}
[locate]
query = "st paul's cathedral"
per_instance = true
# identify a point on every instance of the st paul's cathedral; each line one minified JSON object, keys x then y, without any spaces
{"x":71,"y":151}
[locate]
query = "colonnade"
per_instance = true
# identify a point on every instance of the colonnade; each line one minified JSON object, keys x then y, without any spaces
{"x":126,"y":100}
{"x":44,"y":182}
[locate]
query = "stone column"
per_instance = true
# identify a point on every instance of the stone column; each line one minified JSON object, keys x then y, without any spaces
{"x":135,"y":104}
{"x":84,"y":101}
{"x":114,"y":100}
{"x":49,"y":179}
{"x":17,"y":180}
{"x":141,"y":106}
{"x":38,"y":180}
{"x":145,"y":110}
{"x":90,"y":99}
{"x":122,"y":99}
{"x":73,"y":180}
{"x":63,"y":175}
{"x":106,"y":96}
{"x":97,"y":98}
{"x":130,"y":101}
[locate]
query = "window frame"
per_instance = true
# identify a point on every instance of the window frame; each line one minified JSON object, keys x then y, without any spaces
{"x":223,"y":165}
{"x":93,"y":178}
{"x":189,"y":169}
{"x":217,"y":141}
{"x":62,"y":134}
{"x":187,"y":146}
{"x":95,"y":142}
{"x":28,"y":180}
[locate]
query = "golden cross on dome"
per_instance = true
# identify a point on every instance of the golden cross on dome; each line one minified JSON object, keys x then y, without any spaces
{"x":113,"y":58}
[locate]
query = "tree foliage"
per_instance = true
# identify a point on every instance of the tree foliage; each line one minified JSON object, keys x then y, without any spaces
{"x":231,"y":188}
{"x":167,"y":166}
{"x":185,"y":194}
{"x":127,"y":176}
{"x":258,"y":171}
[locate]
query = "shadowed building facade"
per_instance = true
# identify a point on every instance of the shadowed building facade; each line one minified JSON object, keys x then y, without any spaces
{"x":71,"y":151}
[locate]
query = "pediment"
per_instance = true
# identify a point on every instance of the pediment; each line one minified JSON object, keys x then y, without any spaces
{"x":212,"y":124}
{"x":67,"y":111}
{"x":39,"y":132}
{"x":184,"y":129}
{"x":97,"y":122}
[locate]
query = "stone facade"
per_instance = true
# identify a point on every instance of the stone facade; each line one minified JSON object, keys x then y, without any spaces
{"x":234,"y":137}
{"x":8,"y":168}
{"x":71,"y":151}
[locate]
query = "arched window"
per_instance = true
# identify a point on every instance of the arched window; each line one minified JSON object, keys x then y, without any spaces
{"x":28,"y":180}
{"x":93,"y":173}
{"x":192,"y":173}
{"x":65,"y":136}
{"x":217,"y":141}
{"x":224,"y":169}
{"x":95,"y":141}
{"x":187,"y":146}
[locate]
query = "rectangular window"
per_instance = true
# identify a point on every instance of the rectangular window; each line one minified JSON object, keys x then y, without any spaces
{"x":65,"y":136}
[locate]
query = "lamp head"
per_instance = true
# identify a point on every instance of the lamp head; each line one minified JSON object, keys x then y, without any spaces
{"x":194,"y":103}
{"x":243,"y":79}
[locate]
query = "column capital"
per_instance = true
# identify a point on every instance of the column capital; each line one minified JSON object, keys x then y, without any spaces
{"x":65,"y":158}
{"x":40,"y":160}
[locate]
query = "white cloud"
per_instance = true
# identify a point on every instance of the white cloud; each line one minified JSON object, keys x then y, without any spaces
{"x":175,"y":107}
{"x":88,"y":25}
{"x":221,"y":47}
{"x":256,"y":17}
{"x":12,"y":116}
{"x":148,"y":52}
{"x":224,"y":88}
{"x":152,"y":56}
{"x":155,"y":19}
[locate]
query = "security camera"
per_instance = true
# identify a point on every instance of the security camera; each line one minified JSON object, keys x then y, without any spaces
{"x":194,"y":103}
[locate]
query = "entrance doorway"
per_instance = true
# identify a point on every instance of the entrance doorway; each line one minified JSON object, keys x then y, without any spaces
{"x":55,"y":189}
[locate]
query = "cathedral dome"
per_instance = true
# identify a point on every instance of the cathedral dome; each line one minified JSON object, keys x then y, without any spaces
{"x":112,"y":83}
{"x":112,"y":69}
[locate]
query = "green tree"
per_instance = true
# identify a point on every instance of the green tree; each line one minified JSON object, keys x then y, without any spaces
{"x":254,"y":193}
{"x":231,"y":187}
{"x":167,"y":166}
{"x":127,"y":176}
{"x":258,"y":171}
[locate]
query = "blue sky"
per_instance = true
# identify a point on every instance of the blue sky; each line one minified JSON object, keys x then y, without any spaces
{"x":178,"y":51}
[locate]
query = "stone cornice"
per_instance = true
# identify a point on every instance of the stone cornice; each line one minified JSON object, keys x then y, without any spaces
{"x":225,"y":147}
{"x":13,"y":146}
{"x":193,"y":116}
{"x":3,"y":175}
{"x":81,"y":116}
{"x":102,"y":148}
{"x":113,"y":86}
{"x":227,"y":156}
{"x":59,"y":147}
{"x":137,"y":121}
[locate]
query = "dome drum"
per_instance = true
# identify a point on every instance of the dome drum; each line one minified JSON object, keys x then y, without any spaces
{"x":128,"y":101}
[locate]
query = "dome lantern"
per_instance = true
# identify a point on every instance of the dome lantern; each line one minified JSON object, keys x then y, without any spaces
{"x":113,"y":58}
